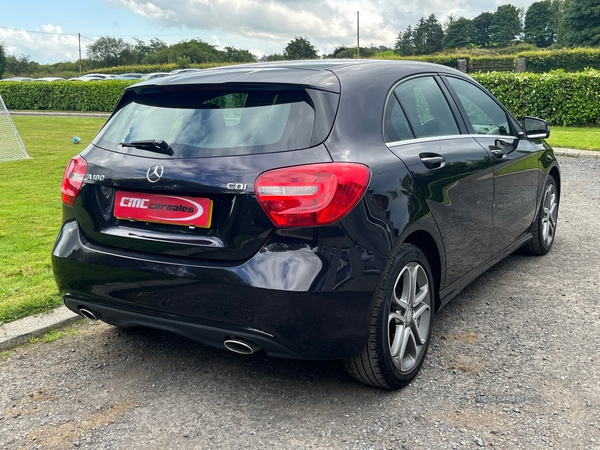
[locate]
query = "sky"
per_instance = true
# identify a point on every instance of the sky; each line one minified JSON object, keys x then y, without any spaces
{"x":48,"y":31}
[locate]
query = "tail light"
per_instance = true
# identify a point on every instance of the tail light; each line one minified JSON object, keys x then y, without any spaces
{"x":73,"y":179}
{"x":311,"y":195}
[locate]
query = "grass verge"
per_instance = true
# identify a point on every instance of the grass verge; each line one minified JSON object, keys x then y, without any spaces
{"x":31,"y":211}
{"x":576,"y":138}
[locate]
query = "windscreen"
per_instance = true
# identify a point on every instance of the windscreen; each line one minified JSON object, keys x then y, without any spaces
{"x":203,"y":121}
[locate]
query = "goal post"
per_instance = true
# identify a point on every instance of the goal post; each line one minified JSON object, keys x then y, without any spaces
{"x":11,"y":145}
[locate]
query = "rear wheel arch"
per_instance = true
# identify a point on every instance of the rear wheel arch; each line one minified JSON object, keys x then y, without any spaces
{"x":427,"y":244}
{"x":554,"y":173}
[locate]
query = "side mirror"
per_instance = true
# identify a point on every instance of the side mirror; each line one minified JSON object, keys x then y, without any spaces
{"x":534,"y":128}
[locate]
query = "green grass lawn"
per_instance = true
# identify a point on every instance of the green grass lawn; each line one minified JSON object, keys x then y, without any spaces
{"x":577,"y":138}
{"x":30,"y":211}
{"x":30,"y":206}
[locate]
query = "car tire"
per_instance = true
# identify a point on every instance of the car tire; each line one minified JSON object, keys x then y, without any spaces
{"x":400,"y":323}
{"x":543,"y":228}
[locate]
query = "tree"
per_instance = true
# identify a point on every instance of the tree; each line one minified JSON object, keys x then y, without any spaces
{"x":21,"y":65}
{"x":482,"y":24}
{"x":141,"y":49}
{"x":109,"y":52}
{"x":540,"y":24}
{"x":558,"y":6}
{"x":350,"y":52}
{"x":434,"y":35}
{"x":449,"y":21}
{"x":428,"y":36}
{"x":506,"y":25}
{"x":404,"y":43}
{"x":338,"y":50}
{"x":459,"y":33}
{"x":195,"y":50}
{"x":581,"y":22}
{"x":300,"y":48}
{"x":275,"y":57}
{"x":2,"y":59}
{"x":235,"y":55}
{"x":418,"y":37}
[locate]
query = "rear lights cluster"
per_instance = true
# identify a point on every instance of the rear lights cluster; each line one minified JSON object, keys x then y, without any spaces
{"x":73,"y":179}
{"x":311,"y":195}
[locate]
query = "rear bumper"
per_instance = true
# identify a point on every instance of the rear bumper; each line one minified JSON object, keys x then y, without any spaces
{"x":295,"y":298}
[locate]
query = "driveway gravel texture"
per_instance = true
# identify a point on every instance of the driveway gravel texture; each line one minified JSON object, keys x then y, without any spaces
{"x":514,"y":363}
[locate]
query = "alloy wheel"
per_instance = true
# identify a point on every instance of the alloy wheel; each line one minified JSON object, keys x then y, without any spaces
{"x":549,"y":214}
{"x":409,"y":317}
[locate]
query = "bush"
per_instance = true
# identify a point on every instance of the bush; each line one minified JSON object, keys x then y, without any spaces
{"x":449,"y":60}
{"x":493,"y":64}
{"x":559,"y":97}
{"x":574,"y":60}
{"x":63,"y":95}
{"x":541,"y":61}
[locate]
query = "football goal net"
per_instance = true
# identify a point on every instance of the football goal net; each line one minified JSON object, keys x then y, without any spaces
{"x":11,"y":145}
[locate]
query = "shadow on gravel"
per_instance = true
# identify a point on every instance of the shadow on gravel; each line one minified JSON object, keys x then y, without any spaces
{"x":163,"y":358}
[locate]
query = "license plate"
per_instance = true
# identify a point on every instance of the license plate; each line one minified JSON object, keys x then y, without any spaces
{"x":168,"y":209}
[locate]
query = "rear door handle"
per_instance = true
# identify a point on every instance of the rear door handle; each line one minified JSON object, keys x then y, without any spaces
{"x":432,"y":160}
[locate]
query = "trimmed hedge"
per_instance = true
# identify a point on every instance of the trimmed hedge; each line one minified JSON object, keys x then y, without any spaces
{"x":493,"y":63}
{"x":449,"y":60}
{"x":541,"y":61}
{"x":559,"y":97}
{"x":63,"y":95}
{"x":475,"y":63}
{"x":575,"y":60}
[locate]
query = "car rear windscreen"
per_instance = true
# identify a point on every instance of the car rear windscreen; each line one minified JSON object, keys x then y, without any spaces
{"x":208,"y":120}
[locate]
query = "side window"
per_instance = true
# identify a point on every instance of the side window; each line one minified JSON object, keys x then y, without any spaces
{"x":395,"y":127}
{"x":426,"y":107}
{"x":485,"y":115}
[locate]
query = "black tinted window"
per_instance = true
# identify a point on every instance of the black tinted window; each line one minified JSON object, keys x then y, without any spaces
{"x":396,"y":127}
{"x":485,"y":115}
{"x":426,"y":107}
{"x":215,"y":120}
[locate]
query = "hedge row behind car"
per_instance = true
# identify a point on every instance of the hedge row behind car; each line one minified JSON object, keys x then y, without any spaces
{"x":541,"y":61}
{"x":561,"y":98}
{"x":64,"y":95}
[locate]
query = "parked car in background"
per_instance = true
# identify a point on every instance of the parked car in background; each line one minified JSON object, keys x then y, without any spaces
{"x":49,"y":79}
{"x":311,"y":209}
{"x":17,"y":79}
{"x":180,"y":71}
{"x":129,"y":76}
{"x":93,"y":77}
{"x":151,"y":76}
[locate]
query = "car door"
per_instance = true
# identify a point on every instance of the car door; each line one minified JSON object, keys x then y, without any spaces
{"x":451,"y":170}
{"x":516,"y":172}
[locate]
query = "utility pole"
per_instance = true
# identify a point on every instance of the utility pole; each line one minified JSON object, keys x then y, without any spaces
{"x":357,"y":34}
{"x":79,"y":38}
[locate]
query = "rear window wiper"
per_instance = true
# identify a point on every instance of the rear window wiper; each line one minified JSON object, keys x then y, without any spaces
{"x":153,"y":145}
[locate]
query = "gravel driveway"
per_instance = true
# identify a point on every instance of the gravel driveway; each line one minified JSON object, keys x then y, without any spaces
{"x":515,"y":362}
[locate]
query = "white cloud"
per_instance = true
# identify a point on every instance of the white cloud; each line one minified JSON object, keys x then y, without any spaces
{"x":47,"y":44}
{"x":271,"y":24}
{"x":265,"y":26}
{"x":324,"y":23}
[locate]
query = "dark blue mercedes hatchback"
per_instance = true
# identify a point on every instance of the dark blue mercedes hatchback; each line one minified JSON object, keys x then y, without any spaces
{"x":315,"y":210}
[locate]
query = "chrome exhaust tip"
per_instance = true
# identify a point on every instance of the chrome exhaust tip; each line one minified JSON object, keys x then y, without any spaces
{"x":88,"y":314}
{"x":240,"y":346}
